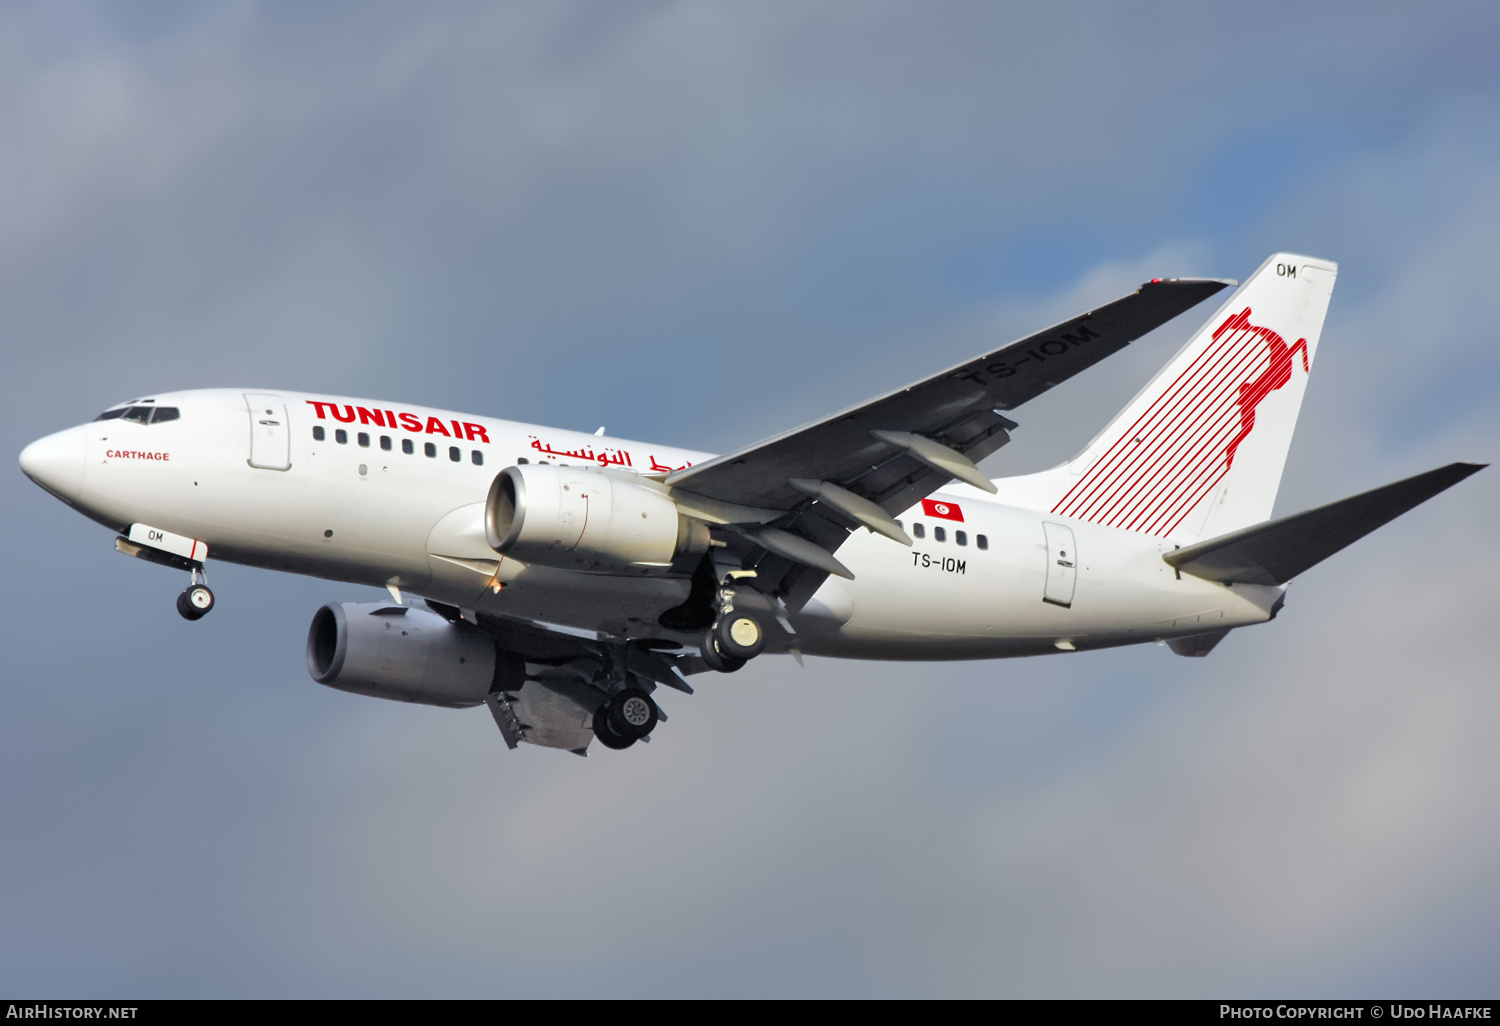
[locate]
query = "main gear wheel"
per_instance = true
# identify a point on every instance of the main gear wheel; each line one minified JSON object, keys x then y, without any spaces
{"x":714,"y":657}
{"x":606,"y":734}
{"x":625,"y":718}
{"x":739,"y":635}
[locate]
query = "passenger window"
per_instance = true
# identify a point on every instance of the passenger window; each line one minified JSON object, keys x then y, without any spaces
{"x":385,"y":442}
{"x":112,"y":414}
{"x":918,"y":530}
{"x":938,"y":534}
{"x":981,"y":541}
{"x":407,"y":447}
{"x":364,"y":440}
{"x":960,"y":537}
{"x":522,"y":460}
{"x":430,"y":450}
{"x":164,"y":413}
{"x":455,"y":454}
{"x":341,"y":436}
{"x":318,"y":433}
{"x":477,"y":457}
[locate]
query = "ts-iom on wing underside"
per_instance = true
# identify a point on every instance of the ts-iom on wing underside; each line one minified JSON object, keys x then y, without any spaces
{"x":862,"y":466}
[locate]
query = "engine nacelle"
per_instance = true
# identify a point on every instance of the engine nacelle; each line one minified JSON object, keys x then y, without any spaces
{"x":400,"y":652}
{"x":575,"y":518}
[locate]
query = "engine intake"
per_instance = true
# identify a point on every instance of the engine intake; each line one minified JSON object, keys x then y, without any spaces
{"x":400,"y":652}
{"x":575,"y":518}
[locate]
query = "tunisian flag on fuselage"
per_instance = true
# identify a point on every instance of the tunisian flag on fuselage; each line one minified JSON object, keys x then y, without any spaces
{"x":942,"y":510}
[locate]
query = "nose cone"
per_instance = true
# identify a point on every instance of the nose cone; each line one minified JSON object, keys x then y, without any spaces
{"x":56,"y":462}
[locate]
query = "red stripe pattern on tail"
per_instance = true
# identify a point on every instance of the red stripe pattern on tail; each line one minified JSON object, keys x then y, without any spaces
{"x":1181,"y":447}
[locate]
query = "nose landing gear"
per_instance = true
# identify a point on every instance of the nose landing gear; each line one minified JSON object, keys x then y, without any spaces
{"x":197,"y":601}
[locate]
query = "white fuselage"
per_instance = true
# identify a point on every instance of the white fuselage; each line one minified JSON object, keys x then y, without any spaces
{"x":385,"y":517}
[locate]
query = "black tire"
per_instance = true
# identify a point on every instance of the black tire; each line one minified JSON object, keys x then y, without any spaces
{"x":716,"y":659}
{"x":606,"y":734}
{"x":631,"y":713}
{"x":740,"y":635}
{"x":199,"y":598}
{"x":185,"y":609}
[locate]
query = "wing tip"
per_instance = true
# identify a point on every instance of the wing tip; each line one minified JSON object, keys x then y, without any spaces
{"x":1454,"y":472}
{"x":1218,"y":283}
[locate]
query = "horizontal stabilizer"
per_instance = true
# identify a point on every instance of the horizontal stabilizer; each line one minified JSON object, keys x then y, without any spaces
{"x":1277,"y":551}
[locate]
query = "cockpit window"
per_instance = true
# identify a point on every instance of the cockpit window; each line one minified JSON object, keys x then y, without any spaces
{"x":141,"y":414}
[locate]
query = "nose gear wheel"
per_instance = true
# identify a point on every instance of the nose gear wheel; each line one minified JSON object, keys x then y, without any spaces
{"x":196,"y":602}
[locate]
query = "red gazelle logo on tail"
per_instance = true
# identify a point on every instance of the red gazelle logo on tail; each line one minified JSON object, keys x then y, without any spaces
{"x":1274,"y":376}
{"x":1179,"y":449}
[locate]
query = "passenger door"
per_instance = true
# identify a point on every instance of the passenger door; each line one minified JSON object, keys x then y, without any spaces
{"x":270,"y":440}
{"x":1062,"y":565}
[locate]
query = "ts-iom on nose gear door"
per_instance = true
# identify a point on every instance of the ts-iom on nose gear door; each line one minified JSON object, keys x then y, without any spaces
{"x":270,"y":440}
{"x":1062,"y":565}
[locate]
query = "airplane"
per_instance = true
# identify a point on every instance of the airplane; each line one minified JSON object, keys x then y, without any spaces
{"x":561,"y":579}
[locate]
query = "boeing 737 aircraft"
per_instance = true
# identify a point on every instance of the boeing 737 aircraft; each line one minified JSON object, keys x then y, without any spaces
{"x":561,"y":578}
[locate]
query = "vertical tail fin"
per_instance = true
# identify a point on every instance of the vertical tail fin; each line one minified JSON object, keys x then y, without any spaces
{"x":1199,"y":452}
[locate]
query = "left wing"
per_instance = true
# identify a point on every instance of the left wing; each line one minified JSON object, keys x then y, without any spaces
{"x":960,"y":409}
{"x":868,"y":463}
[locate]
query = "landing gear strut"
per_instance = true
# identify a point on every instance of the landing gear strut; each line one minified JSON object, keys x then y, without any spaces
{"x":197,"y":601}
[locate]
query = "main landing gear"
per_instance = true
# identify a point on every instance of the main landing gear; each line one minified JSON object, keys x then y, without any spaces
{"x":737,"y":636}
{"x":732,"y":618}
{"x":197,"y":601}
{"x":625,"y":718}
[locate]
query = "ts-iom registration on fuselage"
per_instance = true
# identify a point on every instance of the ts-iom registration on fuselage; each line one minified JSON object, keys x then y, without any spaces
{"x":562,"y":579}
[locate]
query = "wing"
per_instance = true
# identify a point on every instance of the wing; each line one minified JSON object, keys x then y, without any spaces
{"x":962,"y":408}
{"x":868,"y":463}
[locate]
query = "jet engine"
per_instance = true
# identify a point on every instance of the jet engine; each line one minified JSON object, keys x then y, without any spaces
{"x":574,"y":518}
{"x":400,"y":652}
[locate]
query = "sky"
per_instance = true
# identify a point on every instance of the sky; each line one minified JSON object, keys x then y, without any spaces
{"x":705,"y":223}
